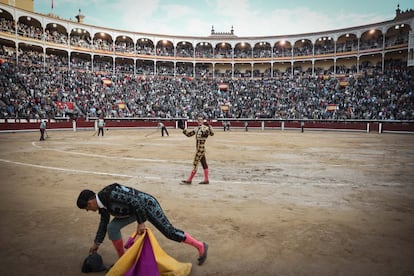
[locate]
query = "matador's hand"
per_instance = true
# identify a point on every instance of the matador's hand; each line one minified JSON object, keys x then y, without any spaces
{"x":93,"y":248}
{"x":141,"y":228}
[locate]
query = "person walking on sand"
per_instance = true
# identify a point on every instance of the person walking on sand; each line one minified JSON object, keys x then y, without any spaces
{"x":101,"y":125}
{"x":161,"y":125}
{"x":42,"y":128}
{"x":129,"y":205}
{"x":201,"y":133}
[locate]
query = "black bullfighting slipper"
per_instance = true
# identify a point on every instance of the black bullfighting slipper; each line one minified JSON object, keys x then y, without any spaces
{"x":203,"y":257}
{"x":204,"y":182}
{"x":185,"y":182}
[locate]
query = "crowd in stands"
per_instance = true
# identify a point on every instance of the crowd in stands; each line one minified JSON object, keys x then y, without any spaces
{"x":29,"y":89}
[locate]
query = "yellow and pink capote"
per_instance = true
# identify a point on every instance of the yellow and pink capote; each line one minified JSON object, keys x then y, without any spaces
{"x":146,"y":254}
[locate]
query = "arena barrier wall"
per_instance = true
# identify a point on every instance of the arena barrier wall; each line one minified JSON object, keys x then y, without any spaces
{"x":15,"y":125}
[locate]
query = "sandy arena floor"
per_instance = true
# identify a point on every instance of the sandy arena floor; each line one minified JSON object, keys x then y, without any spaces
{"x":279,"y":203}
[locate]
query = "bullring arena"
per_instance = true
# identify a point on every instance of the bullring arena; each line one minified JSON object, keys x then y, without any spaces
{"x":335,"y":197}
{"x":279,"y":202}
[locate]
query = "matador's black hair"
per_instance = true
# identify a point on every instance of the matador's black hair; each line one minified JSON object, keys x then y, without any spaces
{"x":83,"y":198}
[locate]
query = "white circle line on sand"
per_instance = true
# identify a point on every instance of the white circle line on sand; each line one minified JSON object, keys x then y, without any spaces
{"x":96,"y":173}
{"x":72,"y":170}
{"x":112,"y":174}
{"x":111,"y":157}
{"x":239,"y":182}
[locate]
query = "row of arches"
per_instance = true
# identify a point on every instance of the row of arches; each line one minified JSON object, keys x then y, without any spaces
{"x":79,"y":46}
{"x":355,"y":40}
{"x":110,"y":65}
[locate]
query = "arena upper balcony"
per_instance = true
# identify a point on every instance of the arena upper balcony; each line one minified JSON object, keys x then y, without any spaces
{"x":218,"y":55}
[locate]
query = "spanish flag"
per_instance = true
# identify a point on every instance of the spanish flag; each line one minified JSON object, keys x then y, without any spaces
{"x":343,"y":83}
{"x":331,"y":107}
{"x":106,"y":81}
{"x":121,"y":105}
{"x":224,"y":107}
{"x":223,"y":86}
{"x":146,"y":257}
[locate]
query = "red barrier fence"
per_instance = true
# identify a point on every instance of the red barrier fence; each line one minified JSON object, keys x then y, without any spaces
{"x":11,"y":125}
